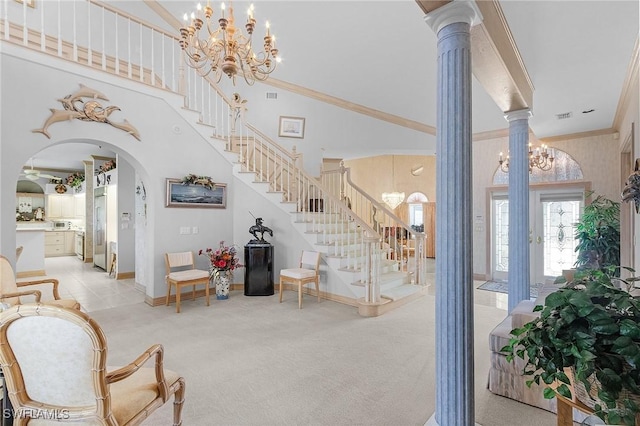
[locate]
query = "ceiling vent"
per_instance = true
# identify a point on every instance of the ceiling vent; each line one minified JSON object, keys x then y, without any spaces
{"x":564,"y":115}
{"x":272,"y":95}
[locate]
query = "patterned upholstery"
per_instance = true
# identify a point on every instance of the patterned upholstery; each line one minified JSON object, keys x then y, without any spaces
{"x":54,"y":362}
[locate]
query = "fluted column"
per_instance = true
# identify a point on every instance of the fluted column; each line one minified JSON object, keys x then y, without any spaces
{"x":454,"y":253}
{"x":519,"y":266}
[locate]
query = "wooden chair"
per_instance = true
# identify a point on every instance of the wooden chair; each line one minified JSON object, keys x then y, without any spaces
{"x":181,"y":271}
{"x":9,"y":288}
{"x":309,"y":271}
{"x":54,"y":364}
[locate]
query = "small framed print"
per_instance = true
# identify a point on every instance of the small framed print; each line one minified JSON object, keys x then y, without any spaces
{"x":291,"y":127}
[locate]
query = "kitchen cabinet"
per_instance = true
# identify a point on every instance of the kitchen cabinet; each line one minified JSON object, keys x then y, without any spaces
{"x":79,"y":204}
{"x":60,"y":207}
{"x":59,"y":243}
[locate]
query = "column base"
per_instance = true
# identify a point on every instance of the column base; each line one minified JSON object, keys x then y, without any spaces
{"x":432,"y":421}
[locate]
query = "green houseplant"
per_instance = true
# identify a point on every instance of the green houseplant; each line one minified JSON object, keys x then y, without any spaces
{"x":598,"y":234}
{"x":591,"y":327}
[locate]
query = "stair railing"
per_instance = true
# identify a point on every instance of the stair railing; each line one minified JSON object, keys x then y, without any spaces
{"x":398,"y":238}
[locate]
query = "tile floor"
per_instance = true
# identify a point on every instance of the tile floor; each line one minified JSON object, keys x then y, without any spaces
{"x":90,"y":286}
{"x":95,"y":290}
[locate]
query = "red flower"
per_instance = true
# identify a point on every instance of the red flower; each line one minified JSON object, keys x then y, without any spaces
{"x":222,"y":259}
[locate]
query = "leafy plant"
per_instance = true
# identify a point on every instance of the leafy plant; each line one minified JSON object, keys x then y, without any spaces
{"x":224,"y":258}
{"x":598,"y":234}
{"x":593,"y":327}
{"x":75,"y":179}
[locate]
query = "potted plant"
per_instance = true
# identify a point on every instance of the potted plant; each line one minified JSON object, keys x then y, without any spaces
{"x":591,"y":328}
{"x":598,"y":234}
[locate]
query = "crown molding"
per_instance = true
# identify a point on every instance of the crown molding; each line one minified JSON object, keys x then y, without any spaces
{"x":628,"y":88}
{"x":580,"y":135}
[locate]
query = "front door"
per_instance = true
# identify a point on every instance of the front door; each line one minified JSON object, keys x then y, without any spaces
{"x":553,"y":213}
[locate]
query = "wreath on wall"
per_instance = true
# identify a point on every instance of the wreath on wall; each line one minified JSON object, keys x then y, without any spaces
{"x":205,"y":181}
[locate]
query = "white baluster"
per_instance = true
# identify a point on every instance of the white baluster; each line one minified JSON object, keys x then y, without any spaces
{"x":75,"y":38}
{"x":59,"y":31}
{"x":6,"y":19}
{"x":104,"y":50}
{"x":164,"y":77}
{"x":117,"y":67}
{"x":141,"y":66}
{"x":129,"y":66}
{"x":89,"y":52}
{"x":153,"y":72}
{"x":25,"y":30}
{"x":43,"y":38}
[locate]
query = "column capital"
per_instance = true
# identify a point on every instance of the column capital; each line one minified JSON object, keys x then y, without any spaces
{"x":520,"y":114}
{"x":457,"y":11}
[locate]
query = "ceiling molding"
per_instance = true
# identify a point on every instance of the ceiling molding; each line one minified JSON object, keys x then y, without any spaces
{"x":497,"y":63}
{"x":164,"y":14}
{"x":579,"y":135}
{"x":490,"y":134}
{"x":628,"y":88}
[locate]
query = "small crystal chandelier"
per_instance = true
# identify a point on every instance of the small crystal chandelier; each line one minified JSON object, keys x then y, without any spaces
{"x":542,"y":158}
{"x":395,"y":198}
{"x":224,"y":49}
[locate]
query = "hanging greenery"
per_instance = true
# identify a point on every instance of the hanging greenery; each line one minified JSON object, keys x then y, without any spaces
{"x":205,"y":181}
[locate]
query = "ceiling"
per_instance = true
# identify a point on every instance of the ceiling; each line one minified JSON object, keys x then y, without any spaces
{"x":382,"y":55}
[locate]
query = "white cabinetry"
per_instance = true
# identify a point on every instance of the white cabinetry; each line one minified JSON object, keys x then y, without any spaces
{"x":79,"y":203}
{"x":59,"y":243}
{"x":60,"y":207}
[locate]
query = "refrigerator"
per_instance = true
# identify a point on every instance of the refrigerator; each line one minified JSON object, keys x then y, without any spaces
{"x":100,"y":228}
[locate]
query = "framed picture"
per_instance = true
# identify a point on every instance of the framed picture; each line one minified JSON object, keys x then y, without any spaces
{"x":291,"y":127}
{"x":179,"y":195}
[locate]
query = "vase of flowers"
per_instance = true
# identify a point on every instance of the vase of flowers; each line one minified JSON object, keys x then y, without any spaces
{"x":222,"y":262}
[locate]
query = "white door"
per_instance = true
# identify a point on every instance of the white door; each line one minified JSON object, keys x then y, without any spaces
{"x":552,"y":216}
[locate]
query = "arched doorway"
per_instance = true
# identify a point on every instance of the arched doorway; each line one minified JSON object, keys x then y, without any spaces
{"x":128,"y":207}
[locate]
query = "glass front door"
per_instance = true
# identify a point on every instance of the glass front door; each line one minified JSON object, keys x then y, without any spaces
{"x":552,"y":216}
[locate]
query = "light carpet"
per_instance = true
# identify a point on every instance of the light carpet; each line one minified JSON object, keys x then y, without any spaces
{"x":254,"y":361}
{"x":503,"y":287}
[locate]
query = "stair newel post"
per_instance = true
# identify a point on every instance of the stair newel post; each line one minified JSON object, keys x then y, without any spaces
{"x":371,"y":277}
{"x":419,"y":254}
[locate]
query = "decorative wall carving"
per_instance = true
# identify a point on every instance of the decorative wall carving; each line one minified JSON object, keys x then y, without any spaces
{"x":75,"y":107}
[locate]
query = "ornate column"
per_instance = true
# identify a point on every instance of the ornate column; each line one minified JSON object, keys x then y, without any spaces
{"x":519,"y":267}
{"x":454,"y":260}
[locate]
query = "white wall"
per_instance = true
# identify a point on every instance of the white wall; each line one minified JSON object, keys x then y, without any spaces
{"x":126,"y":205}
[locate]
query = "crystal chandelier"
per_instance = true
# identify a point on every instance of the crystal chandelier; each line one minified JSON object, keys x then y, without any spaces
{"x":222,"y":48}
{"x":395,"y":198}
{"x":541,"y":157}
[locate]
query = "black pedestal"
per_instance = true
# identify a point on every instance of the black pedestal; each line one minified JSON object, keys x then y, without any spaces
{"x":258,"y":271}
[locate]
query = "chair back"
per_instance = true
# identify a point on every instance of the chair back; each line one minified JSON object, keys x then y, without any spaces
{"x":310,"y":260}
{"x":8,"y":281}
{"x":177,"y":260}
{"x":54,"y":357}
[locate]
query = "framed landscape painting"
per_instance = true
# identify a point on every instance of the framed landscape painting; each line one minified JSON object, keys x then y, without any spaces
{"x":180,"y":195}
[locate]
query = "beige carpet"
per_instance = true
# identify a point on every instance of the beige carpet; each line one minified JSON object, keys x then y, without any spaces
{"x":254,"y":361}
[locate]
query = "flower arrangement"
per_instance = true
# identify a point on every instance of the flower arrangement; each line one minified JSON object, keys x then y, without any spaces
{"x":205,"y":181}
{"x":224,"y":258}
{"x":75,"y":179}
{"x":107,"y":166}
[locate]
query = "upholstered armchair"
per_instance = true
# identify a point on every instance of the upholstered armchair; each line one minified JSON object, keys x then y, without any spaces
{"x":13,"y":292}
{"x":54,"y":363}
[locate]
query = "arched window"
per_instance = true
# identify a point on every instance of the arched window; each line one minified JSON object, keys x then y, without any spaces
{"x":416,"y":211}
{"x":565,"y":168}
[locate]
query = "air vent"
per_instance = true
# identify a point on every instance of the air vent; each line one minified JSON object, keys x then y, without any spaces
{"x":272,"y":95}
{"x":564,"y":115}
